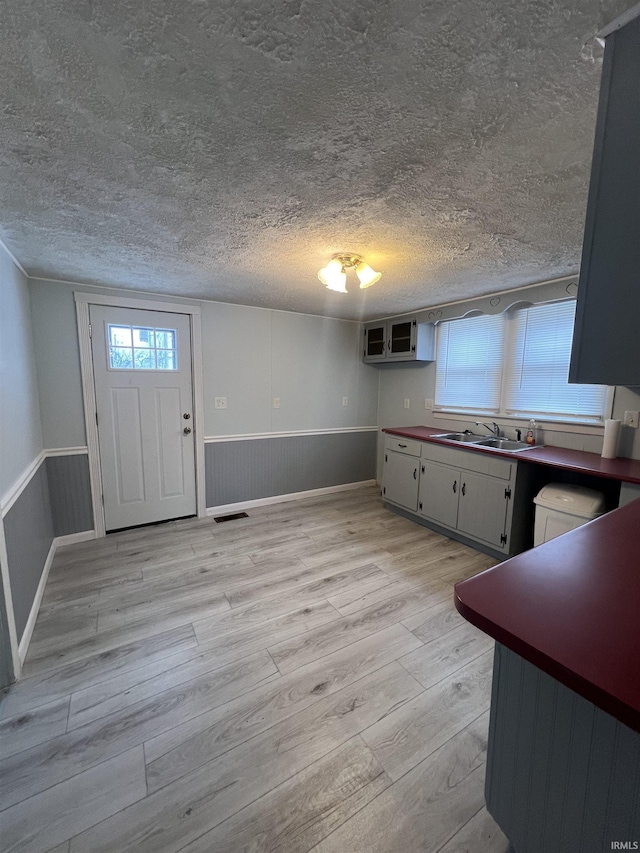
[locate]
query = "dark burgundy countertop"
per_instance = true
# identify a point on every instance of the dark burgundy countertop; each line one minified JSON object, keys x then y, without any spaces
{"x":627,"y":470}
{"x":572,"y":608}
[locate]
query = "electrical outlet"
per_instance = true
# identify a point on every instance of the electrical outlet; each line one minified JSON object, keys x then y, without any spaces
{"x":407,"y":402}
{"x":276,"y":402}
{"x":345,"y":401}
{"x":428,"y":404}
{"x":631,"y":419}
{"x":220,"y":402}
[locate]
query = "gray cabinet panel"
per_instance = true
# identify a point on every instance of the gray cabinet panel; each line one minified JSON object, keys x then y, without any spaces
{"x":400,"y":483}
{"x":606,"y":329}
{"x":482,"y":511}
{"x":562,"y":775}
{"x":439,"y":491}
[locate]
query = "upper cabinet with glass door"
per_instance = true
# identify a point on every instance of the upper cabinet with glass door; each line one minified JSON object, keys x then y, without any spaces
{"x":403,"y":339}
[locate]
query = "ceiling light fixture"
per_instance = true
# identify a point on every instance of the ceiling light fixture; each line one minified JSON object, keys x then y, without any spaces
{"x":334,"y":275}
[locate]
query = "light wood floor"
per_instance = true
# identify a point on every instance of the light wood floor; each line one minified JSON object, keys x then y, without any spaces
{"x":297,"y":680}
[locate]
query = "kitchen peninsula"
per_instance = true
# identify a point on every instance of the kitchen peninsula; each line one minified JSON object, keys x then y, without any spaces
{"x":563,"y":770}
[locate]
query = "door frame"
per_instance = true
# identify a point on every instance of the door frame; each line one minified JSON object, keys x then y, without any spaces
{"x":83,"y":302}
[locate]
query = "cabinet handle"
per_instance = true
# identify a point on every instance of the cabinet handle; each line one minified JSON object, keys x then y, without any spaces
{"x":455,"y":486}
{"x":463,"y":489}
{"x":415,"y":473}
{"x":389,"y":344}
{"x":401,"y":445}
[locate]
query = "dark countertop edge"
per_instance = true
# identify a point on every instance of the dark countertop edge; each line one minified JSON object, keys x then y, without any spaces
{"x":577,"y":460}
{"x":626,"y":714}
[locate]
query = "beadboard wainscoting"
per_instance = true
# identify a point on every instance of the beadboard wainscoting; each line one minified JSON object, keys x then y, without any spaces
{"x":562,"y":774}
{"x":242,"y":469}
{"x":28,"y":530}
{"x":46,"y":507}
{"x":70,"y":492}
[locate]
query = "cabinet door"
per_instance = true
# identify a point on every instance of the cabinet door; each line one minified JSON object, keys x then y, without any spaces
{"x":605,"y":338}
{"x":400,"y":483}
{"x":402,"y":339}
{"x":439,"y":492}
{"x":375,"y":342}
{"x":482,"y":513}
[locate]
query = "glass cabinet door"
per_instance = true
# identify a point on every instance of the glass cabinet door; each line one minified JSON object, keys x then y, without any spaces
{"x":401,"y":337}
{"x":375,"y":342}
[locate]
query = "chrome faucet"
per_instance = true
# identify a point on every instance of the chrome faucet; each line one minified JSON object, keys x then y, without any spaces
{"x":494,"y":428}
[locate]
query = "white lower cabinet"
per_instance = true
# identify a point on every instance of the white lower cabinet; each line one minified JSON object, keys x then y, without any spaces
{"x":483,"y":509}
{"x":401,"y":472}
{"x":467,"y":492}
{"x":439,"y":493}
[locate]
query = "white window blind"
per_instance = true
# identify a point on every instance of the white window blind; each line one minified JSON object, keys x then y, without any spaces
{"x":469,"y":364}
{"x":537,"y":366}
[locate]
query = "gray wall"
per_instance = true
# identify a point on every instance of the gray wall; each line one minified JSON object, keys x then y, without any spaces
{"x":70,"y":493}
{"x":250,"y":355}
{"x":248,"y":470}
{"x":20,"y":445}
{"x":20,"y":433}
{"x":28,"y":530}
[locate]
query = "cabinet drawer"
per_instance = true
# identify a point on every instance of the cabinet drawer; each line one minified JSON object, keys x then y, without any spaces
{"x":469,"y":460}
{"x":403,"y":445}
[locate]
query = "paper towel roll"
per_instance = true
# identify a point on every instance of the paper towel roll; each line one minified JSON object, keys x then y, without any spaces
{"x":610,"y":443}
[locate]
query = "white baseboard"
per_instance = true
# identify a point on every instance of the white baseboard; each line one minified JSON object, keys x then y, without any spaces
{"x":72,"y":538}
{"x":23,"y":646}
{"x":225,"y":509}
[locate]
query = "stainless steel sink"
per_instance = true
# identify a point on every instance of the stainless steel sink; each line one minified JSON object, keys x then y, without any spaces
{"x":486,"y":441}
{"x":504,"y":444}
{"x":461,"y":436}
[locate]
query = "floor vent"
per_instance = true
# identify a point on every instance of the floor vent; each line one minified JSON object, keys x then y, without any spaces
{"x":232,"y":517}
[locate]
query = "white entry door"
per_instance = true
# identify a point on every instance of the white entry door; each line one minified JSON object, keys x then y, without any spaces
{"x":144,"y":399}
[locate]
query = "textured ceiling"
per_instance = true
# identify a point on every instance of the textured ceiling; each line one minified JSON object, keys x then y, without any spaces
{"x":227,"y":149}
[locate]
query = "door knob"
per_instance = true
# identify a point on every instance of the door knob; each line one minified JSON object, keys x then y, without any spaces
{"x":186,"y":416}
{"x":186,"y":430}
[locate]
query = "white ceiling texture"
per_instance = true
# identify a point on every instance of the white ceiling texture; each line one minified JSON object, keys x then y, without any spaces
{"x":227,"y":149}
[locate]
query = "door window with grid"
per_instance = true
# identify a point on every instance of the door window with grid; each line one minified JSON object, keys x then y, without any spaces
{"x":142,"y":348}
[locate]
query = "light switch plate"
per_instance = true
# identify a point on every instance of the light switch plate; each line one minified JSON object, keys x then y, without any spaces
{"x":345,"y":401}
{"x":276,"y":402}
{"x":407,"y":402}
{"x":220,"y":402}
{"x":428,"y":404}
{"x":631,"y":419}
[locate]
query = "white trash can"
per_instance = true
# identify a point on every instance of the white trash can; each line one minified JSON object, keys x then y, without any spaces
{"x":560,"y":508}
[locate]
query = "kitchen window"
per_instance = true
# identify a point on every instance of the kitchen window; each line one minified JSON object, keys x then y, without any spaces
{"x":514,"y":365}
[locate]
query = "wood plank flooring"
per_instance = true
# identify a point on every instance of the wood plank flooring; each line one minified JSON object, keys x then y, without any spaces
{"x":297,"y":680}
